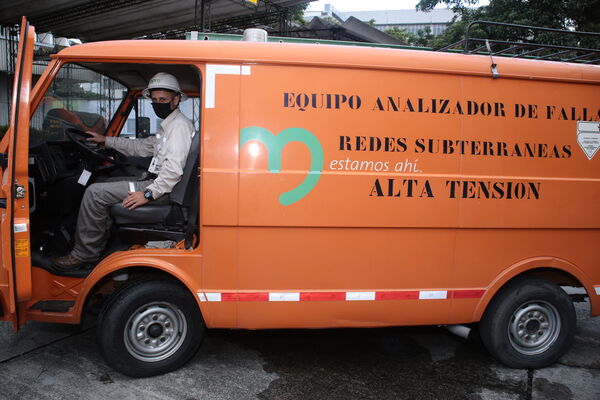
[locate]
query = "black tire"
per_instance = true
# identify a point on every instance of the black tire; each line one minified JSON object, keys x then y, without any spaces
{"x":530,"y":323}
{"x":149,"y":327}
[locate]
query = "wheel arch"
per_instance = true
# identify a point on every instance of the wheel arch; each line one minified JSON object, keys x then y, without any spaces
{"x":556,"y":270}
{"x":102,"y":275}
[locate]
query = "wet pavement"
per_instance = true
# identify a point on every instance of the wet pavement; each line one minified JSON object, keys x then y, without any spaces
{"x":51,"y":361}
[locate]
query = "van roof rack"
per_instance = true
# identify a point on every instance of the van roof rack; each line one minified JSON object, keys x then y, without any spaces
{"x":565,"y":45}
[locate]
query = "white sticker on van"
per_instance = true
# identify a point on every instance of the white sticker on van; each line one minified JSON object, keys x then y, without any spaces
{"x":20,"y":228}
{"x":588,"y":137}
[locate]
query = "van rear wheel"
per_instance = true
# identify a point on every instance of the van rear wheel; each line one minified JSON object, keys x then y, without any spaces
{"x":529,"y":324}
{"x":149,"y":327}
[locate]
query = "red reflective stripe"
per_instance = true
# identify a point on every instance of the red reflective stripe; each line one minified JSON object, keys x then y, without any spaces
{"x":322,"y":296}
{"x":253,"y":296}
{"x":397,"y":295}
{"x":228,"y":297}
{"x":341,"y":296}
{"x":466,"y":294}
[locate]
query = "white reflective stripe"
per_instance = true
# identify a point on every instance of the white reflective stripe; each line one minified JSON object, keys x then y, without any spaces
{"x":213,"y":296}
{"x":284,"y":296}
{"x":353,"y":296}
{"x":202,"y":297}
{"x":20,"y":228}
{"x":211,"y":76}
{"x":131,"y":187}
{"x":432,"y":294}
{"x":597,"y":290}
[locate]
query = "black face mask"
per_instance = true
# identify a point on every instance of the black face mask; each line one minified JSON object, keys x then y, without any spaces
{"x":162,"y":110}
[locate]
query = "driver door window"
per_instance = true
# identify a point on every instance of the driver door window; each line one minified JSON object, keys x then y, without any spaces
{"x":78,"y":98}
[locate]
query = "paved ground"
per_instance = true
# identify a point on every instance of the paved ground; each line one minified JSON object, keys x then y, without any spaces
{"x":49,"y":361}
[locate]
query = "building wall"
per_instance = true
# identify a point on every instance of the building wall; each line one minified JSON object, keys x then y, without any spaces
{"x":410,"y":20}
{"x":436,"y":29}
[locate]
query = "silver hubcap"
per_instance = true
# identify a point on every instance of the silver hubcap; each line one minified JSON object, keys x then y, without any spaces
{"x":155,"y":331}
{"x":534,"y":327}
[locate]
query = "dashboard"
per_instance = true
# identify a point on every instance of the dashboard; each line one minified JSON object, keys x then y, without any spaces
{"x":52,"y":161}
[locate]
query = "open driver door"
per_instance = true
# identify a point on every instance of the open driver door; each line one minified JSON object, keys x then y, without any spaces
{"x":15,"y":273}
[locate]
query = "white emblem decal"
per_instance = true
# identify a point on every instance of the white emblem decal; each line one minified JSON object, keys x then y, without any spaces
{"x":588,"y":137}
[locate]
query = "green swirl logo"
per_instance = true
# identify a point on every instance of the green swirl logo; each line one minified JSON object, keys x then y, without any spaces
{"x":275,"y":145}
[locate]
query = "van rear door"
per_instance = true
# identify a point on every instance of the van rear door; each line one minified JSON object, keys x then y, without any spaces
{"x":15,"y":277}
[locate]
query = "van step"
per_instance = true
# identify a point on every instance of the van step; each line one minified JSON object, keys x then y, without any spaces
{"x":53,"y":305}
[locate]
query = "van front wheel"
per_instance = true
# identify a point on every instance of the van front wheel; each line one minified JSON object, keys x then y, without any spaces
{"x":149,"y":327}
{"x":529,"y":324}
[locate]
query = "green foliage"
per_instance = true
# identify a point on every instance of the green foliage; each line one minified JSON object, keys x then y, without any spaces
{"x":401,"y":34}
{"x":455,"y":5}
{"x":581,"y":15}
{"x":296,"y":14}
{"x":423,"y":38}
{"x":456,"y":31}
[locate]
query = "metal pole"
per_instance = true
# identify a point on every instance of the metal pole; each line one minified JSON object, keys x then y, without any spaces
{"x":137,"y":116}
{"x":202,"y":16}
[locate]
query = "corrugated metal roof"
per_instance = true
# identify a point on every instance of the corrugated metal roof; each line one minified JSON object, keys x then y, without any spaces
{"x":92,"y":20}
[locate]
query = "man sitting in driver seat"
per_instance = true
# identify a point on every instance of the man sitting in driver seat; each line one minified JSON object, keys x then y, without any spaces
{"x":169,"y":149}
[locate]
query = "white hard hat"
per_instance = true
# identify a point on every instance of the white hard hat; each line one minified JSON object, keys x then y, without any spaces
{"x":162,"y":80}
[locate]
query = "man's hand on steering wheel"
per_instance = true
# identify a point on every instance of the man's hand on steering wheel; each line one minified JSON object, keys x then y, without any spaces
{"x":95,"y":137}
{"x":83,"y":139}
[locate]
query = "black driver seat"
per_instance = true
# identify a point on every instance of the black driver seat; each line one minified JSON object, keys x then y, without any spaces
{"x":174,"y":221}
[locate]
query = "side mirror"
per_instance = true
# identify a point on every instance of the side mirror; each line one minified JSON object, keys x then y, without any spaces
{"x":142,"y":127}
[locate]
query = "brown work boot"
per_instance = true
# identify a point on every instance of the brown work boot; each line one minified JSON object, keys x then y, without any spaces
{"x":67,"y":263}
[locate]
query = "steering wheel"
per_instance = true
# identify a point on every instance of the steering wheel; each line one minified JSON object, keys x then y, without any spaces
{"x":79,"y":137}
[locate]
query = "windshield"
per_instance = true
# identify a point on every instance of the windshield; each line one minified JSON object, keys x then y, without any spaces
{"x":77,"y":98}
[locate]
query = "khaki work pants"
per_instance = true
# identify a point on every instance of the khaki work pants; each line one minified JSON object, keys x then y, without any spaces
{"x":93,"y":222}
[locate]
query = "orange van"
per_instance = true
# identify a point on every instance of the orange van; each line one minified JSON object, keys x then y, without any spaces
{"x":327,"y":186}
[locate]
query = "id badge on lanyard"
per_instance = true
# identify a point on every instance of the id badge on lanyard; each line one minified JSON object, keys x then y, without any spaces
{"x":157,"y":145}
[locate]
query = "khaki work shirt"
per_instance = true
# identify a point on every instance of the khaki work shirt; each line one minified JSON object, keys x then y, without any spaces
{"x":170,"y":147}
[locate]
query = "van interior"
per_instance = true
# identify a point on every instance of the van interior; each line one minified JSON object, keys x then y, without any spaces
{"x":105,"y":98}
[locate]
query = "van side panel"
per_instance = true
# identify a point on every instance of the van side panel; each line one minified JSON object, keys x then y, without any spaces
{"x":219,"y":193}
{"x":553,"y":210}
{"x":429,"y":183}
{"x":371,"y":234}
